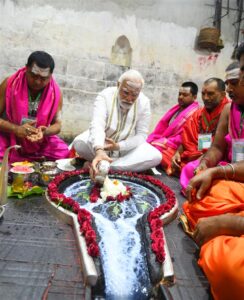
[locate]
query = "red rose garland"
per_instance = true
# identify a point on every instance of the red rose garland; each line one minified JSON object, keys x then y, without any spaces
{"x":85,"y":218}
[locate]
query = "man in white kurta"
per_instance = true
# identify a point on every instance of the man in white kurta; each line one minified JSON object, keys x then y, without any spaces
{"x":119,"y":128}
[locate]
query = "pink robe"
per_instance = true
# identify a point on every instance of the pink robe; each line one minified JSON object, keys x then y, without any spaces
{"x":166,"y":137}
{"x":234,"y":128}
{"x":52,"y":147}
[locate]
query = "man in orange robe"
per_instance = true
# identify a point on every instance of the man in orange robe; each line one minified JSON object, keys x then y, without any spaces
{"x":217,"y":222}
{"x":215,"y":207}
{"x":203,"y":122}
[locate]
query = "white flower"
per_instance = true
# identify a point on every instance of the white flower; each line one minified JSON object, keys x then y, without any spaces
{"x":112,"y":188}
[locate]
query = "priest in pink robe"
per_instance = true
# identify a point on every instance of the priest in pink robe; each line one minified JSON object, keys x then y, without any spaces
{"x":166,"y":137}
{"x":30,"y":106}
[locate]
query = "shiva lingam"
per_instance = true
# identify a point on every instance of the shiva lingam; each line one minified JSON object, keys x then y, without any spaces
{"x":4,"y":179}
{"x":109,"y":219}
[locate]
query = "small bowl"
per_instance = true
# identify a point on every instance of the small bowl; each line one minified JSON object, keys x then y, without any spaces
{"x":47,"y":176}
{"x":19,"y":180}
{"x":49,"y":165}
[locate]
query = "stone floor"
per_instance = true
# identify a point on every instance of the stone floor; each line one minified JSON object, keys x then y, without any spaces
{"x":191,"y":284}
{"x":39,"y":257}
{"x":38,"y":254}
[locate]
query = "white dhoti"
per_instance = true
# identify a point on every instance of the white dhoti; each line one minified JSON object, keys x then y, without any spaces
{"x":141,"y":158}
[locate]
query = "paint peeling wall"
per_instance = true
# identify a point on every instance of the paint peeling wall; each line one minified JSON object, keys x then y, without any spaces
{"x":80,"y":35}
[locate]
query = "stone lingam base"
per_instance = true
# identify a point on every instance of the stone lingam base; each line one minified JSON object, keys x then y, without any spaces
{"x":159,"y":273}
{"x":2,"y":209}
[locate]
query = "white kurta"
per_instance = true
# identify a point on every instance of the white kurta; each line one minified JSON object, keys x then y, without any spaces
{"x":128,"y":128}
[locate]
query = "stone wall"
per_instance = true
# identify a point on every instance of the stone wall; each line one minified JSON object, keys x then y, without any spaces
{"x":80,"y":35}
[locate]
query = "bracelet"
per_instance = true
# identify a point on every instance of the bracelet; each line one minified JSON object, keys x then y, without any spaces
{"x":233,"y":170}
{"x":223,"y":167}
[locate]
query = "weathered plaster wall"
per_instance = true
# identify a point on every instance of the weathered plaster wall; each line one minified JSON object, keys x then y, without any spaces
{"x":80,"y":35}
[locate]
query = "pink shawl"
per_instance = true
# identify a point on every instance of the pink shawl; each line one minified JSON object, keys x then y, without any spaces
{"x":17,"y":108}
{"x":234,"y":128}
{"x":166,"y":134}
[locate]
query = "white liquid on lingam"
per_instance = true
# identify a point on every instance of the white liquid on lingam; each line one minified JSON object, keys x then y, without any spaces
{"x":121,"y":256}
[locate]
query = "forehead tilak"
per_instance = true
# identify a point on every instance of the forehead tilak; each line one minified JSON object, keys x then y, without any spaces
{"x":185,"y":89}
{"x":44,"y":72}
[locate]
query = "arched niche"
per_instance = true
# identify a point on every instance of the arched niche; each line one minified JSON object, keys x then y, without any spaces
{"x":121,"y":52}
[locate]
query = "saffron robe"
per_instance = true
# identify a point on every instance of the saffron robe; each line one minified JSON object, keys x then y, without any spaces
{"x":200,"y":122}
{"x":222,"y":257}
{"x":51,"y":147}
{"x":166,"y":137}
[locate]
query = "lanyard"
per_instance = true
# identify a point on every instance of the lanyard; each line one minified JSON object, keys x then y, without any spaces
{"x":208,"y":124}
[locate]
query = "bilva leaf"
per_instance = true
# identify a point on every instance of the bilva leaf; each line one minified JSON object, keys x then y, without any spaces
{"x":144,"y":206}
{"x":116,"y":209}
{"x":83,"y":195}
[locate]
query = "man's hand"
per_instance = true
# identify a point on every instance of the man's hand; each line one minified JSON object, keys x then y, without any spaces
{"x":111,"y":145}
{"x":176,"y":159}
{"x":26,"y":130}
{"x":36,"y":137}
{"x":210,"y":227}
{"x":175,"y":164}
{"x":100,"y":155}
{"x":43,"y":129}
{"x":199,"y":184}
{"x":202,"y":167}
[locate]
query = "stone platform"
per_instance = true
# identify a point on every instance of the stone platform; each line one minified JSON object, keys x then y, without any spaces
{"x":39,"y":257}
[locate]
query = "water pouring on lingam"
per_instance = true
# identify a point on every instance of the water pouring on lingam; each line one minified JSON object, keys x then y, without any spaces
{"x":118,"y":220}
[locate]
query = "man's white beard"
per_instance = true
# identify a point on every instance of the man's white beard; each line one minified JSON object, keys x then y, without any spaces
{"x":124,"y":104}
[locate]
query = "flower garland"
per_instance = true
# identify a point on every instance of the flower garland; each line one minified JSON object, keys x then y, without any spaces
{"x":85,"y":218}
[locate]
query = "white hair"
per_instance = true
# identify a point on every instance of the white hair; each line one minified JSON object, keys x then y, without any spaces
{"x":132,"y":75}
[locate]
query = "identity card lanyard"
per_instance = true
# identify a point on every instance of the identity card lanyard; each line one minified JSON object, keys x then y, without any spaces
{"x":205,"y":139}
{"x":238,"y":144}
